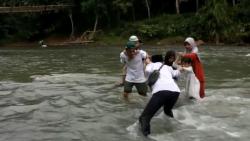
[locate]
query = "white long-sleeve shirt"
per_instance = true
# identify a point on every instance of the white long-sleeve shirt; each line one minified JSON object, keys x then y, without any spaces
{"x":165,"y":80}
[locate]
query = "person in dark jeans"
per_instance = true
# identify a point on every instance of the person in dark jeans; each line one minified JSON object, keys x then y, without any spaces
{"x":165,"y":91}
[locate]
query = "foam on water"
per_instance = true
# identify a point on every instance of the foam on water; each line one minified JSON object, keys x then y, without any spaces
{"x":194,"y":116}
{"x":234,"y":134}
{"x":133,"y":129}
{"x":218,"y":112}
{"x":73,"y":77}
{"x":161,"y":137}
{"x":184,"y":116}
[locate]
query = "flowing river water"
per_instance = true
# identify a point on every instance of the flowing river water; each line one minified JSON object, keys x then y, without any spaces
{"x":68,"y":94}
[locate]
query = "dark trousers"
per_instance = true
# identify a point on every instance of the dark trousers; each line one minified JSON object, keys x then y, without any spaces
{"x":161,"y":98}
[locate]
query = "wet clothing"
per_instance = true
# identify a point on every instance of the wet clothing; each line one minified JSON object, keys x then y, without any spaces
{"x":135,"y":75}
{"x":192,"y":87}
{"x":141,"y":88}
{"x":167,"y":99}
{"x":165,"y":93}
{"x":198,"y":71}
{"x":135,"y":66}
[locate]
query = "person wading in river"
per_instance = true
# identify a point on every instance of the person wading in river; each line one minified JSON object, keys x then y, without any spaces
{"x":138,"y":44}
{"x":192,"y":53}
{"x":165,"y":91}
{"x":134,"y":61}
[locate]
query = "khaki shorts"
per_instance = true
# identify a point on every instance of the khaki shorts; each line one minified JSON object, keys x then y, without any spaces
{"x":141,"y":88}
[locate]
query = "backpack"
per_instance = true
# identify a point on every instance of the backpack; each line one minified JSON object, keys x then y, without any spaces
{"x":153,"y":77}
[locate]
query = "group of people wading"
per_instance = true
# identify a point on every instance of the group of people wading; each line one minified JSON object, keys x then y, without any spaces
{"x":138,"y":66}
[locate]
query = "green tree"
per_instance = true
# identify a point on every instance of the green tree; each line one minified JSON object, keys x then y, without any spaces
{"x":122,"y":7}
{"x":217,"y":17}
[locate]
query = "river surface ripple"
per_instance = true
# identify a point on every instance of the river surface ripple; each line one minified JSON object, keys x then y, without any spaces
{"x":68,"y":94}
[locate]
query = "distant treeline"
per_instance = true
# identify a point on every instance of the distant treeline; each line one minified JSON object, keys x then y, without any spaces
{"x":211,"y":20}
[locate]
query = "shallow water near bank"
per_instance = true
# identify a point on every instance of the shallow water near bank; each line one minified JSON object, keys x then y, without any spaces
{"x":68,"y":94}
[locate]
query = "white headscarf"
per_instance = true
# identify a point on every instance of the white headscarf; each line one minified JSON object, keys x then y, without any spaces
{"x":192,"y":43}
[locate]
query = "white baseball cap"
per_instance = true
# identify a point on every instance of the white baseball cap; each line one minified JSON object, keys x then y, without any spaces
{"x":133,"y":38}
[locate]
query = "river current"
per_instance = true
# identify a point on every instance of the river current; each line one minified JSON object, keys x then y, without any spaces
{"x":69,"y":94}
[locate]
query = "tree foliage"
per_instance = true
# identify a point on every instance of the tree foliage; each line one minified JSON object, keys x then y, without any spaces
{"x":216,"y":15}
{"x":213,"y":20}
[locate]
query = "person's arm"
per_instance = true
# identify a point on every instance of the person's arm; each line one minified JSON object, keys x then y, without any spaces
{"x":148,"y":69}
{"x":190,"y":55}
{"x":124,"y":67}
{"x":147,"y":61}
{"x":188,"y":69}
{"x":175,"y":73}
{"x":178,"y":58}
{"x":122,"y":58}
{"x":175,"y":66}
{"x":145,"y":58}
{"x":143,"y":54}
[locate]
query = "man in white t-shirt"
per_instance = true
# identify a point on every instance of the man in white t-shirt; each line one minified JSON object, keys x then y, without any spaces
{"x":134,"y":58}
{"x":138,"y":44}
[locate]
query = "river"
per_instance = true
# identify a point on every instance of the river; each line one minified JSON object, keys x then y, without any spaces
{"x":68,"y":94}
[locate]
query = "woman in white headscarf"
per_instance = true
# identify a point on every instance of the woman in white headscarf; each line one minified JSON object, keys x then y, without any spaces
{"x":192,"y":53}
{"x":193,"y":45}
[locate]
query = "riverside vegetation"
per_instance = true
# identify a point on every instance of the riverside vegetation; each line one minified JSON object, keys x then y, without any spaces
{"x":110,"y":22}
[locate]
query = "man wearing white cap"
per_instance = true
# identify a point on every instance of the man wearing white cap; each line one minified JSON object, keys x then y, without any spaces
{"x":135,"y":39}
{"x":133,"y":59}
{"x":138,"y":43}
